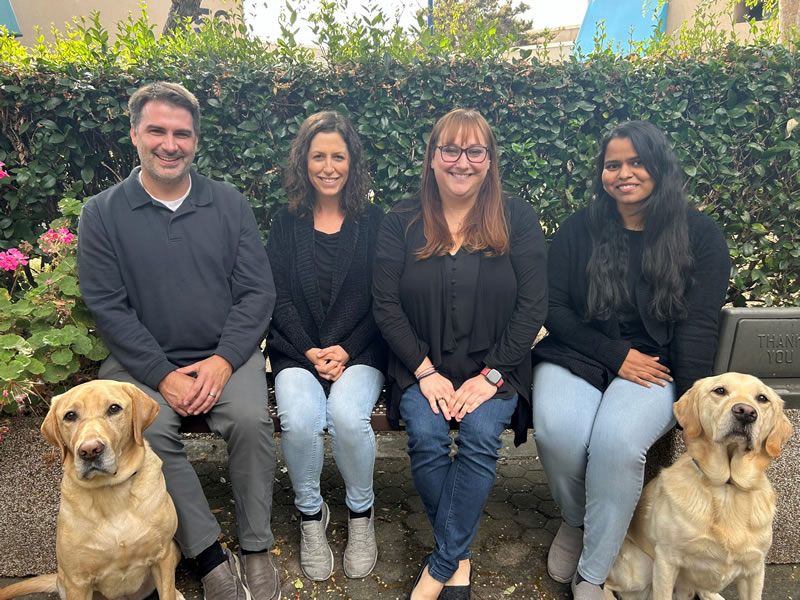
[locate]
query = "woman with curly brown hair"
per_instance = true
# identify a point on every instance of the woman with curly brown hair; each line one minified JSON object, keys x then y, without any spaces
{"x":324,"y":347}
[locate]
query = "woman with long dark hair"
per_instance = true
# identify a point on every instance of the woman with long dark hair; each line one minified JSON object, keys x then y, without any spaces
{"x":637,"y":280}
{"x":460,"y":294}
{"x":324,"y":346}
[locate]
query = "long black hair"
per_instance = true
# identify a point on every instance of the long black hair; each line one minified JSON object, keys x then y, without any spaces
{"x":666,"y":257}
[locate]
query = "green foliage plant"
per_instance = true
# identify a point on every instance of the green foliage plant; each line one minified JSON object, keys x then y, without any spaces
{"x":65,"y":130}
{"x":47,"y":342}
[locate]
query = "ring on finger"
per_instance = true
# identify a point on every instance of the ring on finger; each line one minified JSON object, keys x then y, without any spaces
{"x":212,"y":394}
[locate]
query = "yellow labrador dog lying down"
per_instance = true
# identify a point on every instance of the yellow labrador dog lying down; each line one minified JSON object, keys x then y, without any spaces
{"x":706,"y":521}
{"x":116,"y":521}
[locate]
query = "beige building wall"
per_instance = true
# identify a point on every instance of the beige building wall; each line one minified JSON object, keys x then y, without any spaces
{"x":678,"y":12}
{"x":58,"y":13}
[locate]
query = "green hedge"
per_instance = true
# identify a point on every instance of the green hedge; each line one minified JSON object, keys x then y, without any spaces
{"x":65,"y":132}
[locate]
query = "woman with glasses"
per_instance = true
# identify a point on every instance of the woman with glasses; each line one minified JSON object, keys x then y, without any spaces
{"x":459,"y":290}
{"x":637,"y":280}
{"x":325,"y":349}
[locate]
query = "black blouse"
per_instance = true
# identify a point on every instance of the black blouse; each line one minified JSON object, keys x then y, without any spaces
{"x":509,"y":303}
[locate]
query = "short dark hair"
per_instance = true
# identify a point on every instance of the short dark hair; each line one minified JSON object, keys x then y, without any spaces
{"x":164,"y":91}
{"x":298,"y":186}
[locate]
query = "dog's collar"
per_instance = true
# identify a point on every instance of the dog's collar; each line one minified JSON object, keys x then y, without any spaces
{"x":699,"y":468}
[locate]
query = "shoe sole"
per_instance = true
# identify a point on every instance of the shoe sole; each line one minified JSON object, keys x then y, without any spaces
{"x":327,"y":521}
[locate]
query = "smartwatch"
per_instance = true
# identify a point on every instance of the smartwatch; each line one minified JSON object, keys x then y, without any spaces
{"x":493,"y":376}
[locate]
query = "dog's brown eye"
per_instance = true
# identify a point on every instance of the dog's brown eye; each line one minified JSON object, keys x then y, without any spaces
{"x":71,"y":416}
{"x":762,"y":398}
{"x":114,"y":409}
{"x":719,"y":391}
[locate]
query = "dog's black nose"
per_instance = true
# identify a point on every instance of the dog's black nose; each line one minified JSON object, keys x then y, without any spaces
{"x":91,"y":450}
{"x":744,"y":413}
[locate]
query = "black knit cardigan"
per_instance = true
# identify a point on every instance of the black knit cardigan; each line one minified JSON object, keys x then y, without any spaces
{"x":595,"y":350}
{"x":299,"y":321}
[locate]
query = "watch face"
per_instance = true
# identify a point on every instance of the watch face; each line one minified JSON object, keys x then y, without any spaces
{"x":493,"y":376}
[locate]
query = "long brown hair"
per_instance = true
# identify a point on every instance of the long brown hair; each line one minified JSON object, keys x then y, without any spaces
{"x":298,"y":187}
{"x":485,"y":226}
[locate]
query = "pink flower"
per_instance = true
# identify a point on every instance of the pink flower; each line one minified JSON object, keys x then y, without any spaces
{"x":3,"y":173}
{"x":50,"y":240}
{"x":11,"y":259}
{"x":5,"y":393}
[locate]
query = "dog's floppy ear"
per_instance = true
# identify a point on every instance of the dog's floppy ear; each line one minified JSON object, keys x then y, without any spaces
{"x":50,"y":430}
{"x":143,"y":411}
{"x":778,"y":436}
{"x":687,"y":411}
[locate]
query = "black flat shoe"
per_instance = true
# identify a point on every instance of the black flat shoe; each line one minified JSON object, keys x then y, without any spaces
{"x":457,"y":592}
{"x":419,"y":574}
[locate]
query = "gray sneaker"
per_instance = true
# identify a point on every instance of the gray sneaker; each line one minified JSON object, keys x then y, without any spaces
{"x":586,"y":591}
{"x":261,"y":576}
{"x":224,"y":582}
{"x":562,"y":559}
{"x":316,"y":556}
{"x":361,"y":552}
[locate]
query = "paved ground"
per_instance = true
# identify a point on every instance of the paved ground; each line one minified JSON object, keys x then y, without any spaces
{"x":509,"y":552}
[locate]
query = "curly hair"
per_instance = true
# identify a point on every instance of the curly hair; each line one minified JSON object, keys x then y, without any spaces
{"x":485,"y":226}
{"x":666,"y":257}
{"x":300,"y":192}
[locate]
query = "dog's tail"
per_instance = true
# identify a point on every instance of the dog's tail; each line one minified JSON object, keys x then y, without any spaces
{"x":46,"y":584}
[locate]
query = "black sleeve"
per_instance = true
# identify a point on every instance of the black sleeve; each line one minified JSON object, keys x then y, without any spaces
{"x":390,"y":253}
{"x":529,"y":261}
{"x":565,"y":262}
{"x":695,"y":338}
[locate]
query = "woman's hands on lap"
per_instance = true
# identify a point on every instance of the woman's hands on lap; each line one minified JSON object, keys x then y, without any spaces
{"x":472,"y":393}
{"x":644,"y":369}
{"x":329,"y":362}
{"x":437,"y":390}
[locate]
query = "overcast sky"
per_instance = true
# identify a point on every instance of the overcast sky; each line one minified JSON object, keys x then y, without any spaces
{"x":263,"y":16}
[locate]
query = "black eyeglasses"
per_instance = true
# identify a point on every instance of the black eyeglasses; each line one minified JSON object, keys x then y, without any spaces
{"x":475,"y":154}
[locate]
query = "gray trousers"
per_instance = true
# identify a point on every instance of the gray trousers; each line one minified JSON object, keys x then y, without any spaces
{"x":241,"y":417}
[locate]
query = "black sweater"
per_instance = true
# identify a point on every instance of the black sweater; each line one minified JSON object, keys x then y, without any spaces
{"x":594,"y":350}
{"x":510,"y":302}
{"x":299,"y":321}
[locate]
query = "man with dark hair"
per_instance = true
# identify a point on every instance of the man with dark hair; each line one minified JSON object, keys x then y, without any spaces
{"x":173,"y":269}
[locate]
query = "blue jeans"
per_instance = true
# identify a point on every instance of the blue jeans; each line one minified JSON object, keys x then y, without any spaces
{"x":453,"y":492}
{"x":593,"y":446}
{"x":305,"y":413}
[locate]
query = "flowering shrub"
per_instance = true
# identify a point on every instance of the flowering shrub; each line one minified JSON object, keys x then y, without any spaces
{"x":47,"y":342}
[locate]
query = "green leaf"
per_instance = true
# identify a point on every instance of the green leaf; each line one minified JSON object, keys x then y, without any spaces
{"x":87,"y":174}
{"x":61,"y":357}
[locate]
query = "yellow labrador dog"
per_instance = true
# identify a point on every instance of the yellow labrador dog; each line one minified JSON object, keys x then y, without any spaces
{"x":116,"y":521}
{"x":706,"y":521}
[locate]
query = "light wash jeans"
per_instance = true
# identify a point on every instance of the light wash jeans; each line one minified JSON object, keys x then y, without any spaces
{"x":593,"y":447}
{"x":453,"y":492}
{"x":305,"y":413}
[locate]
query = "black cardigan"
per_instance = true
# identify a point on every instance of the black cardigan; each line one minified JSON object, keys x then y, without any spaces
{"x":299,"y":321}
{"x":510,"y":302}
{"x":594,"y":350}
